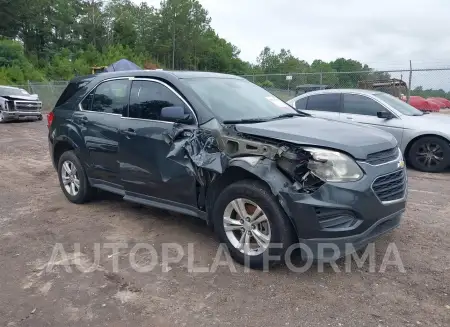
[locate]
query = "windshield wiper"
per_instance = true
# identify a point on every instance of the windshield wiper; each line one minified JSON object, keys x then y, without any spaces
{"x":246,"y":121}
{"x":262,"y":120}
{"x":288,"y":115}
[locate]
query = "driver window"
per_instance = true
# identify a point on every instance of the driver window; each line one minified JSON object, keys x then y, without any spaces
{"x":148,"y":98}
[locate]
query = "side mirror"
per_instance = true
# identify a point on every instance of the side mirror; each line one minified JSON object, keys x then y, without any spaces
{"x":385,"y":115}
{"x":175,"y":114}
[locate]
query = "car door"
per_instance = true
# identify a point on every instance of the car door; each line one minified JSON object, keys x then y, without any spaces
{"x":362,"y":109}
{"x":326,"y":105}
{"x":98,"y":123}
{"x":146,"y":173}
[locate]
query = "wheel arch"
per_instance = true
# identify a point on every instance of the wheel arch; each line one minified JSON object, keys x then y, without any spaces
{"x":411,"y":142}
{"x":62,"y":145}
{"x":256,"y":168}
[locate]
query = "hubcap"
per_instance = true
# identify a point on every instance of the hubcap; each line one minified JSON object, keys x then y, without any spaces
{"x":70,"y":178}
{"x":246,"y":226}
{"x":430,"y":154}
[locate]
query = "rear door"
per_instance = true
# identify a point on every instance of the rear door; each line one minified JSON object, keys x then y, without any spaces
{"x":98,"y":122}
{"x":362,"y":109}
{"x":327,"y":105}
{"x":147,"y":175}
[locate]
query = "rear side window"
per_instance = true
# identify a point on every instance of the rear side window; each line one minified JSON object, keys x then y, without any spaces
{"x":301,"y":103}
{"x":147,"y":98}
{"x":71,"y":89}
{"x":109,"y":97}
{"x":361,"y":105}
{"x":324,"y":102}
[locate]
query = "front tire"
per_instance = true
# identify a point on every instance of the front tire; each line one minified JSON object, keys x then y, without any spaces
{"x":72,"y":178}
{"x":429,"y":154}
{"x":249,"y":220}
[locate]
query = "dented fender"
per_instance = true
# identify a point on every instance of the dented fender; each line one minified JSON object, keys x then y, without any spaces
{"x":265,"y":169}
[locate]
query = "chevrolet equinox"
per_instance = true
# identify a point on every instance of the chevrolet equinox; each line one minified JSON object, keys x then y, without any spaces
{"x":222,"y":149}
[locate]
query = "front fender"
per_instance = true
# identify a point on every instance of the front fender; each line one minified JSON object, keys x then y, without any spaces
{"x":267,"y":170}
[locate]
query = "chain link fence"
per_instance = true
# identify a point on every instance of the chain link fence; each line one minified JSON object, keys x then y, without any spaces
{"x":421,"y":82}
{"x":48,"y":92}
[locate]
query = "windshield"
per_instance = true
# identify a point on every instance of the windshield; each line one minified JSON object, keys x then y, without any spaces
{"x":4,"y":91}
{"x":399,"y":105}
{"x":233,"y":99}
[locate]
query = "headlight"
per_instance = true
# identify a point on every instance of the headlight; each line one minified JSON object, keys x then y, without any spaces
{"x":332,"y":166}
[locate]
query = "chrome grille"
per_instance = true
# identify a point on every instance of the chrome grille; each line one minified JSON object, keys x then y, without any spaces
{"x":382,"y":157}
{"x":390,"y":187}
{"x":27,"y":106}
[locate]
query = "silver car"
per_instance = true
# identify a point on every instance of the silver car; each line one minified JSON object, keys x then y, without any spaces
{"x":423,"y":138}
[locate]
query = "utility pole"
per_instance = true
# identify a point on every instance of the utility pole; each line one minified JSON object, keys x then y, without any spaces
{"x":173,"y":46}
{"x":93,"y":21}
{"x":409,"y":83}
{"x":173,"y":38}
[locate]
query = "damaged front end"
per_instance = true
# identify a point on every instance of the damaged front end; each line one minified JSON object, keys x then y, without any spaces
{"x":208,"y":153}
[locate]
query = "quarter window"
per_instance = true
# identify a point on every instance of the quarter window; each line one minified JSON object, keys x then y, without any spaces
{"x":361,"y":105}
{"x":324,"y":102}
{"x":148,"y":98}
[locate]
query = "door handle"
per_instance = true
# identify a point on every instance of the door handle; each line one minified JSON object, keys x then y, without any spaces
{"x":349,"y":118}
{"x":129,"y":132}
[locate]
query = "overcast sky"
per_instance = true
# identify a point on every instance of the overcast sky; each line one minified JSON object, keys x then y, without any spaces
{"x":385,"y":34}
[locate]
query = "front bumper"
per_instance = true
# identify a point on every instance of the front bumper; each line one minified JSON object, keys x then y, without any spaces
{"x":11,"y":115}
{"x":340,"y":218}
{"x":330,"y":249}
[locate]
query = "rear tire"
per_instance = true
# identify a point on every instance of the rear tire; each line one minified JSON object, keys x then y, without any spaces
{"x":429,"y":154}
{"x":72,"y":178}
{"x":271,"y":236}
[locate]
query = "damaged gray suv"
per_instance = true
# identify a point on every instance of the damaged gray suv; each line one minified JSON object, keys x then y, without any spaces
{"x":222,"y":149}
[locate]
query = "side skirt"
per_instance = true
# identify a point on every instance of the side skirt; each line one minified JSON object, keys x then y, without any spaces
{"x":148,"y":200}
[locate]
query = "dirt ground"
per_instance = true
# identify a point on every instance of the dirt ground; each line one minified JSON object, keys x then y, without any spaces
{"x":35,"y":216}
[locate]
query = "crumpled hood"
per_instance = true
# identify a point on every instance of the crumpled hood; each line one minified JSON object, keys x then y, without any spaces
{"x":354,"y":139}
{"x":21,"y":97}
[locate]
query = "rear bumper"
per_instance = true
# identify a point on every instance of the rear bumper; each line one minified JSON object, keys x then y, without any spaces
{"x":51,"y":151}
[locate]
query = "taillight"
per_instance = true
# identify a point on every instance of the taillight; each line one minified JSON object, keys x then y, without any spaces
{"x":50,"y":117}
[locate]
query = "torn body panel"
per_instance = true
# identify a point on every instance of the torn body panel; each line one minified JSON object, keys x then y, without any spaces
{"x":208,"y":153}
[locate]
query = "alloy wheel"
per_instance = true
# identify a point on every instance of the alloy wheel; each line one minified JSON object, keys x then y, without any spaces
{"x":70,"y":178}
{"x":429,"y":154}
{"x":246,"y":226}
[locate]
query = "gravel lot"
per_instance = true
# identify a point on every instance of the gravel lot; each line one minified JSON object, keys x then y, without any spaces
{"x":35,"y":216}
